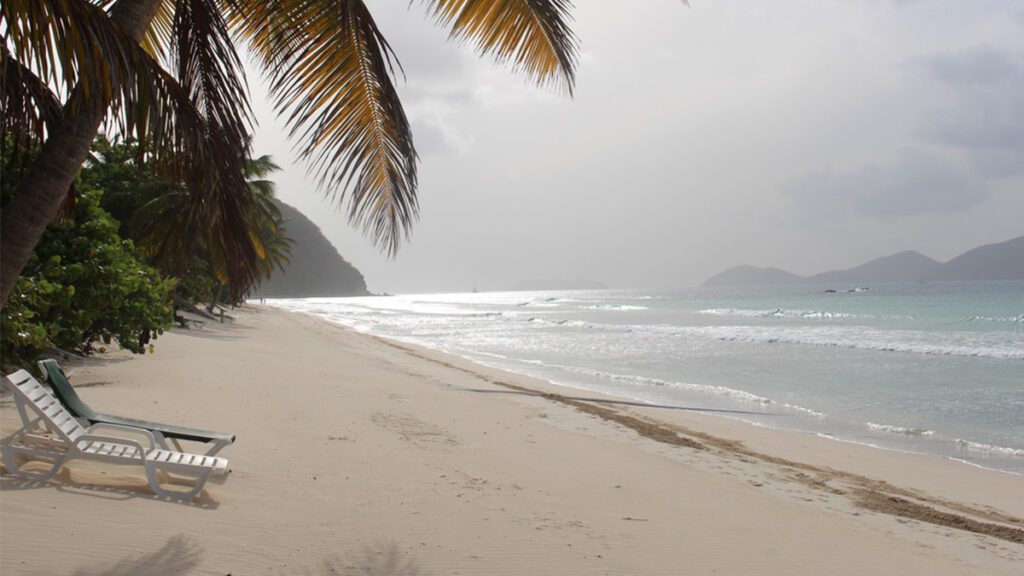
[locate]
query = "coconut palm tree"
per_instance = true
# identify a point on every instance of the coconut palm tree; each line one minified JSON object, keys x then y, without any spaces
{"x":164,"y":234}
{"x":166,"y":72}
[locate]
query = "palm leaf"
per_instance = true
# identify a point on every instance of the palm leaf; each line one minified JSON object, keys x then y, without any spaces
{"x":73,"y":47}
{"x":158,"y":36}
{"x":194,"y":131}
{"x":220,"y":205}
{"x":533,"y":35}
{"x":330,"y":73}
{"x":27,"y":106}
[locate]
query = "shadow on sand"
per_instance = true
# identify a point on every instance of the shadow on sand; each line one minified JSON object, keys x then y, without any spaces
{"x":178,"y":556}
{"x":381,"y":559}
{"x":108,"y":488}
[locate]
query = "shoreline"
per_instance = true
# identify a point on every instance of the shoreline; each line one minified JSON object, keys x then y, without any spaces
{"x":724,"y":413}
{"x":706,"y":423}
{"x":357,"y":452}
{"x":469,"y":357}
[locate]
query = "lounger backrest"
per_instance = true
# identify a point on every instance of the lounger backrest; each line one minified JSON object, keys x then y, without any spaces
{"x":40,"y":401}
{"x":63,"y":389}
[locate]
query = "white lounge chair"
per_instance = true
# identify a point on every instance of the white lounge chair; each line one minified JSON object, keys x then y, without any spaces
{"x":50,"y":433}
{"x":167,"y":436}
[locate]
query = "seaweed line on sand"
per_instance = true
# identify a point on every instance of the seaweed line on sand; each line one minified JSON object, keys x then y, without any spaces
{"x":866,"y":493}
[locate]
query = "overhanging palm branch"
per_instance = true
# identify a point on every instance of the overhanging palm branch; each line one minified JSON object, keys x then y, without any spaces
{"x":330,"y":72}
{"x":330,"y":69}
{"x":196,"y":118}
{"x":157,"y":39}
{"x":74,"y":48}
{"x":331,"y":75}
{"x":220,"y":206}
{"x":29,"y":106}
{"x":533,"y":35}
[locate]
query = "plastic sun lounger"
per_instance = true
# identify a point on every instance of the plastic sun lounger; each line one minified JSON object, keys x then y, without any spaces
{"x":62,"y":389}
{"x":51,"y":434}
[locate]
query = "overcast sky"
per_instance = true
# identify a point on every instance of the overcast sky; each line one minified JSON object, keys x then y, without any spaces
{"x":803,"y":134}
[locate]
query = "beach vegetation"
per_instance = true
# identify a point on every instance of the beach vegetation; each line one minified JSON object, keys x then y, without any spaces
{"x":102,"y":274}
{"x":167,"y":73}
{"x":153,"y":212}
{"x":84,"y":286}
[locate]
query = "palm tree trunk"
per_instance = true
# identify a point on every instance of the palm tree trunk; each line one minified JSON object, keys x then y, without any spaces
{"x":39,"y":195}
{"x":216,"y":298}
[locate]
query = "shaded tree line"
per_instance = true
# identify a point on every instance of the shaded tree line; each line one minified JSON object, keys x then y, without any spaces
{"x":120,"y":258}
{"x":166,"y":74}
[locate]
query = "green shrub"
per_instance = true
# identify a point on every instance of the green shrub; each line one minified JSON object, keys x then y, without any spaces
{"x":84,"y":285}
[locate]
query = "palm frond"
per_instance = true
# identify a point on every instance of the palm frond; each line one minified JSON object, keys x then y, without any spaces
{"x":261,"y":167}
{"x":194,"y":131}
{"x":279,"y":250}
{"x":533,"y":35}
{"x":27,"y":105}
{"x":209,"y":70}
{"x":157,"y":39}
{"x":73,"y":47}
{"x":330,"y":72}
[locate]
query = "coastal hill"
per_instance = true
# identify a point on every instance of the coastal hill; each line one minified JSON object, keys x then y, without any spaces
{"x":557,"y":284}
{"x":753,"y":276}
{"x":316,"y":268}
{"x":906,"y":266}
{"x":1002,"y":261}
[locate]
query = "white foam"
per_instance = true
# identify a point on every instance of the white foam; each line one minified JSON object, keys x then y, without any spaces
{"x":776,"y":313}
{"x":647,"y":381}
{"x":1005,"y":346}
{"x":989,"y":449}
{"x":900,"y":430}
{"x":1012,"y":319}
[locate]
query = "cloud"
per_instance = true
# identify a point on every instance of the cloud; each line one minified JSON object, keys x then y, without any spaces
{"x":980,"y":124}
{"x":978,"y":65}
{"x":916,"y":183}
{"x":983,"y":112}
{"x":437,"y":137}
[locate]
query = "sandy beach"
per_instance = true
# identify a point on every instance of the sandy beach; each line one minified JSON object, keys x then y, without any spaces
{"x":362,"y":456}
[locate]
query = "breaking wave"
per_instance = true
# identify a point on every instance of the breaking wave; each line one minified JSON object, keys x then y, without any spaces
{"x":900,"y":430}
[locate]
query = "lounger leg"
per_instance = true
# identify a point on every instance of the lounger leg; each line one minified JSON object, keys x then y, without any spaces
{"x":161,"y":441}
{"x":154,"y":482}
{"x":217,"y":446}
{"x":10,"y":461}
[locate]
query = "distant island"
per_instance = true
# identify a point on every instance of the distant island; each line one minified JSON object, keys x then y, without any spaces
{"x":316,"y":268}
{"x":1002,"y":261}
{"x":557,"y":284}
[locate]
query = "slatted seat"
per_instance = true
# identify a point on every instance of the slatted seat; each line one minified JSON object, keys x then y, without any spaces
{"x":185,"y":461}
{"x":65,"y":393}
{"x":51,"y":433}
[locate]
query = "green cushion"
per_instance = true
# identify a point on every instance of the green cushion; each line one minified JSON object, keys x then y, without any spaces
{"x":65,"y":392}
{"x":63,"y":389}
{"x":168,"y":430}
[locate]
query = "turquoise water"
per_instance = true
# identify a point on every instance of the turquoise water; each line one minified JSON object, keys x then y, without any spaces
{"x":930,"y":368}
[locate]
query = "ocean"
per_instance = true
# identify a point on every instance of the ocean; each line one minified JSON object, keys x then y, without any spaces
{"x":929,"y":368}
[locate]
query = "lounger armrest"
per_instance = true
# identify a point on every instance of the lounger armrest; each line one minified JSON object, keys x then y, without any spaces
{"x":128,"y":430}
{"x":90,"y":438}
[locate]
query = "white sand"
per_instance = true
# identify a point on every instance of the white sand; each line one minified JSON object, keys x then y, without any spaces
{"x":359,"y":456}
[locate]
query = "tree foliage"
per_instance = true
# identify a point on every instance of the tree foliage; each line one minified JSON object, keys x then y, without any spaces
{"x":99,"y":275}
{"x":85,"y":285}
{"x":167,"y":72}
